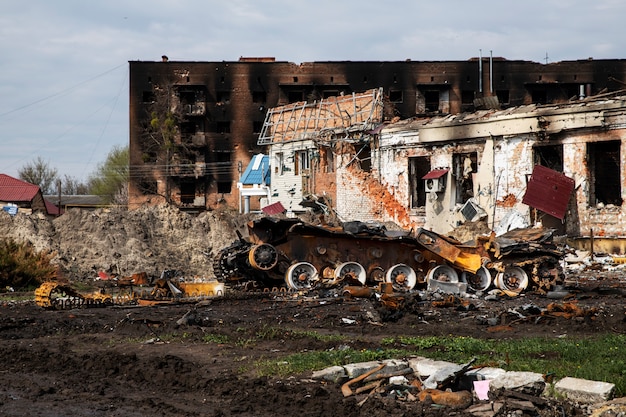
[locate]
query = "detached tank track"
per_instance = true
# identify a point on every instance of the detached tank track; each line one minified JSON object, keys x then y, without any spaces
{"x":53,"y":295}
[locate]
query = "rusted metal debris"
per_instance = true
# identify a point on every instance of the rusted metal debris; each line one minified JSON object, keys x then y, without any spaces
{"x":127,"y":290}
{"x":303,"y":256}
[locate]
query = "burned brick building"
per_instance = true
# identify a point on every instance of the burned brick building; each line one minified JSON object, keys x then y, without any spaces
{"x":195,"y":126}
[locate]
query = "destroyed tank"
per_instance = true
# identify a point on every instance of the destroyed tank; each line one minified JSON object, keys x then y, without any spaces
{"x":292,"y":254}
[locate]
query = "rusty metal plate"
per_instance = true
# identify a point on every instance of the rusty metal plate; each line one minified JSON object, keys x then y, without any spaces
{"x":438,"y":245}
{"x":549,"y":191}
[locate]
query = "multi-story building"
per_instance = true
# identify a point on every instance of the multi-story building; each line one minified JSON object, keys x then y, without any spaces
{"x":194,"y":126}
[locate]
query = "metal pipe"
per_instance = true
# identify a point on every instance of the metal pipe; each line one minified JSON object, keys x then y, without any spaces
{"x":491,"y":71}
{"x":480,"y":70}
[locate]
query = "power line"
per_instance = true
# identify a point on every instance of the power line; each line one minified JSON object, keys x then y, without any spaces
{"x":67,"y":90}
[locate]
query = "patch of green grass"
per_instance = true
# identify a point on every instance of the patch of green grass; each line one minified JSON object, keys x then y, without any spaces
{"x":273,"y":333}
{"x":302,"y":362}
{"x":599,"y":359}
{"x":215,"y":338}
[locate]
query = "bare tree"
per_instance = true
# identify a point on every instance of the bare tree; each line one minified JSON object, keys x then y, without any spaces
{"x":39,"y":172}
{"x":72,"y":186}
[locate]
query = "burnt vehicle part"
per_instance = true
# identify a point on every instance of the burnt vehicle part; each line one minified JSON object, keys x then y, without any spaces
{"x":289,"y":252}
{"x":285,"y":251}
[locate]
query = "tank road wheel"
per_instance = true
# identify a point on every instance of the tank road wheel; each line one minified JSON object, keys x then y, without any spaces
{"x":443,"y":273}
{"x":547,"y":276}
{"x":263,"y":257}
{"x":402,"y":277}
{"x":350,"y":272}
{"x":479,"y":281}
{"x":300,"y":276}
{"x":513,"y":279}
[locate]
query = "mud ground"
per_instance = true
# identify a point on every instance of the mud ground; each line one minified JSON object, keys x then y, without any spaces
{"x":143,"y":361}
{"x":140,"y":361}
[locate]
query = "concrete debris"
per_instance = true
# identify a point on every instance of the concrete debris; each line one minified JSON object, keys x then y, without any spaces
{"x":481,"y":391}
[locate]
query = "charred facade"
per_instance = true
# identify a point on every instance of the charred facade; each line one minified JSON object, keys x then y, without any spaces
{"x":194,"y":126}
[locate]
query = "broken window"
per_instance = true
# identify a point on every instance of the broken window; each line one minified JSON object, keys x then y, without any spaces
{"x":467,"y":97}
{"x":327,"y":159}
{"x":550,"y":156}
{"x":395,"y":96}
{"x":223,"y":127}
{"x":539,"y":96}
{"x":148,"y":97}
{"x":295,"y":96}
{"x":222,"y":96}
{"x":365,"y":158}
{"x":465,"y":165}
{"x":431,"y":100}
{"x":418,"y":167}
{"x":503,"y":96}
{"x":259,"y":96}
{"x":224,"y":187}
{"x":603,"y":159}
{"x":187,"y":192}
{"x":302,"y":162}
{"x":148,"y":187}
{"x":222,"y":156}
{"x":279,"y":164}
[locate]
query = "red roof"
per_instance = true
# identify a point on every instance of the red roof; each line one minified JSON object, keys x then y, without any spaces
{"x":14,"y":190}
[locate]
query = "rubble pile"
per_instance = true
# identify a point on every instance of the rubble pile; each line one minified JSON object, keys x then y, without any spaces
{"x":117,"y":241}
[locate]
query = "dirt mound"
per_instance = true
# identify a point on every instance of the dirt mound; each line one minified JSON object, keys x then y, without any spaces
{"x":149,"y":239}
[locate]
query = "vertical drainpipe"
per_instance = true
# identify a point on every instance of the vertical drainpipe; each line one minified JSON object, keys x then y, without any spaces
{"x":491,"y":72}
{"x":480,"y":70}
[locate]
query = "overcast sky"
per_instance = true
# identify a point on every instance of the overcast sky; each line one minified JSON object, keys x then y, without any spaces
{"x":64,"y":64}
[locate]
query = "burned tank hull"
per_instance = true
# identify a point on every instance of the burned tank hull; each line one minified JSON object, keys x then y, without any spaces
{"x":286,"y":252}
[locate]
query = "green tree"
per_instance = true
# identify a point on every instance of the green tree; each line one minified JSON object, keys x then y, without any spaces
{"x":39,"y":172}
{"x":110,"y":179}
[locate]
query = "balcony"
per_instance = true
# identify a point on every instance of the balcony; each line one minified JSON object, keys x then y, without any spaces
{"x":195,"y":109}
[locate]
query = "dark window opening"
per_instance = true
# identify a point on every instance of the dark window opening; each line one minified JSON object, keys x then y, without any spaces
{"x":365,"y":158}
{"x":539,"y":96}
{"x":295,"y":79}
{"x":148,"y":187}
{"x":464,"y":166}
{"x":224,"y":187}
{"x":222,"y":156}
{"x":187,"y":192}
{"x":223,"y":127}
{"x":503,"y":96}
{"x":222,"y":96}
{"x":603,"y":159}
{"x":332,"y":79}
{"x":257,"y":127}
{"x":418,"y":167}
{"x":148,"y":97}
{"x":467,"y":97}
{"x":188,"y":128}
{"x":295,"y":96}
{"x":549,"y":157}
{"x":259,"y":96}
{"x":395,"y":96}
{"x":431,"y":100}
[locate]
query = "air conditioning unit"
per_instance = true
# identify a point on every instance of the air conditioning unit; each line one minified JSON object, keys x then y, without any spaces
{"x":434,"y":185}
